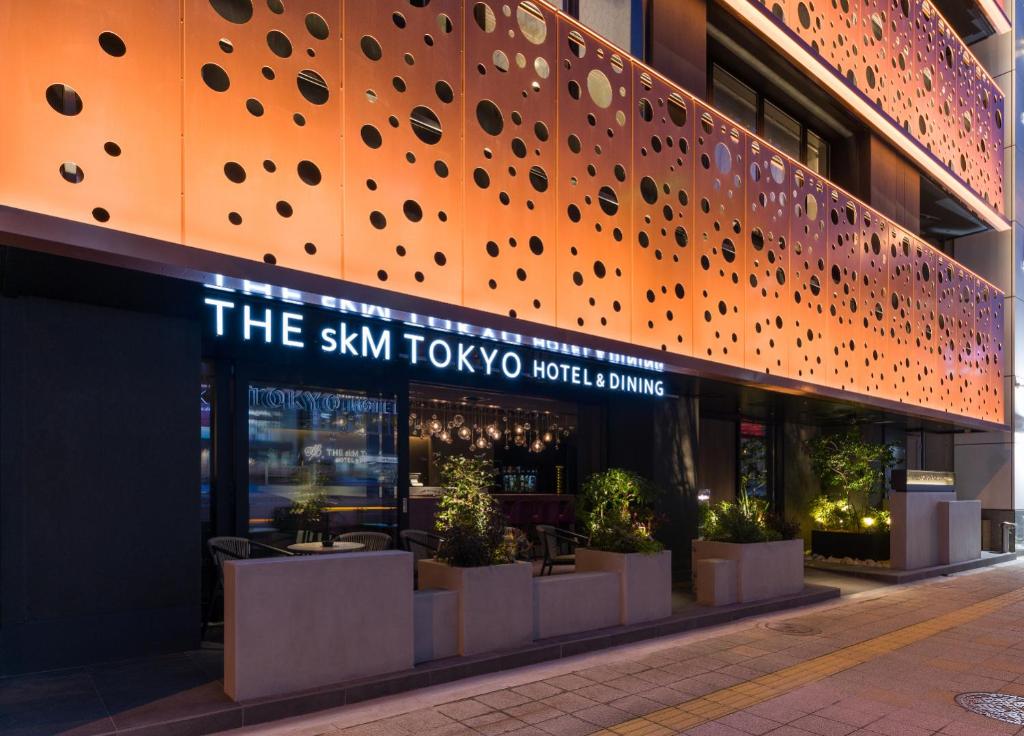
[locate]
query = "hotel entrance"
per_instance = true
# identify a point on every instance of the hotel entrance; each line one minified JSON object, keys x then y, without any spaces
{"x":530,"y":443}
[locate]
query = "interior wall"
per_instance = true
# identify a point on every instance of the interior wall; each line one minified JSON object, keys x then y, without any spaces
{"x":99,"y":484}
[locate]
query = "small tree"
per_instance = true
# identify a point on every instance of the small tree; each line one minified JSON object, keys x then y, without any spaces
{"x":471,"y":526}
{"x":617,"y":510}
{"x":852,"y":475}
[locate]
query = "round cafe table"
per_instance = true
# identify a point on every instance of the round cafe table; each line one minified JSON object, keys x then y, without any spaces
{"x":317,"y":548}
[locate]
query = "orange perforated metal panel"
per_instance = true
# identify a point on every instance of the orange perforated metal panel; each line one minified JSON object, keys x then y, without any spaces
{"x":849,"y":346}
{"x":262,"y":154}
{"x":402,"y":134}
{"x":510,"y":146}
{"x":91,"y":125}
{"x":947,"y":332}
{"x":874,"y":306}
{"x":906,"y":59}
{"x":595,"y":193}
{"x":501,"y":157}
{"x":720,"y":150}
{"x":925,"y":351}
{"x":900,"y":67}
{"x":966,"y":286}
{"x":768,"y":304}
{"x":662,"y":181}
{"x":899,"y":325}
{"x":809,"y":345}
{"x":988,"y":387}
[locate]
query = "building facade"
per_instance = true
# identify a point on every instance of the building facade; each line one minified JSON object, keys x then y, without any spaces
{"x":266,"y":263}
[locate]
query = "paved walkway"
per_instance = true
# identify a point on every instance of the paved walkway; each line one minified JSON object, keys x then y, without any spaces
{"x":884,"y":662}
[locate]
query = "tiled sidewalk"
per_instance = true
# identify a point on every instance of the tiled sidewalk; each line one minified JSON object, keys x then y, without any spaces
{"x":882,"y":663}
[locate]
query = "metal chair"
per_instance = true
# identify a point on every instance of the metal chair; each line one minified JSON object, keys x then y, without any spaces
{"x":553,"y":541}
{"x":423,"y":545}
{"x":221,"y":550}
{"x":371,"y":541}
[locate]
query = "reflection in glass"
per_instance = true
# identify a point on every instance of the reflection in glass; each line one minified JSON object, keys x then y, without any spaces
{"x":817,"y":153}
{"x":320,"y":462}
{"x":753,"y":460}
{"x":734,"y":99}
{"x":781,"y":130}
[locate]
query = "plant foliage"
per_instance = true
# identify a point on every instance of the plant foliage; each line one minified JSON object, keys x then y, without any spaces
{"x":617,"y":511}
{"x":746,"y":521}
{"x":469,"y":522}
{"x":852,"y":475}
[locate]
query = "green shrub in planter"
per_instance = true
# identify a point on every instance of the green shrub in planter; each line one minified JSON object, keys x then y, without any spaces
{"x":746,"y":521}
{"x":471,"y":526}
{"x":852,"y":475}
{"x":617,"y":511}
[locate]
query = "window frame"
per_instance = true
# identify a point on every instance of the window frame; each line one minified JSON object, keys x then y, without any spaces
{"x":759,"y":128}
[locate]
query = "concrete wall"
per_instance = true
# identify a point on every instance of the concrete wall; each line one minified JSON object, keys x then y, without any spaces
{"x":99,"y":484}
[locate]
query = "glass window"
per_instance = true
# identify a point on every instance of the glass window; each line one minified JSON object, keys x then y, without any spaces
{"x":754,"y":460}
{"x":205,"y":449}
{"x":781,"y":130}
{"x":733,"y":98}
{"x":817,"y":153}
{"x":320,"y":462}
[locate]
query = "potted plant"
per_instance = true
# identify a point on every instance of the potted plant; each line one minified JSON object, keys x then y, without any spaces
{"x":617,"y":511}
{"x":767,"y":550}
{"x":848,"y":516}
{"x":475,"y":559}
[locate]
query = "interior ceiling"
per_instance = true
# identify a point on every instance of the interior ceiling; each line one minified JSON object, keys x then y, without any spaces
{"x":731,"y":400}
{"x":943,"y":217}
{"x":469,"y":398}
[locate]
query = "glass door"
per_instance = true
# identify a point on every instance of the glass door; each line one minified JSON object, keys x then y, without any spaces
{"x":320,"y":461}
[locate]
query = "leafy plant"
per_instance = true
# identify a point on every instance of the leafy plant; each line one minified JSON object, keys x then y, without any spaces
{"x":469,"y":522}
{"x":307,"y":511}
{"x":617,"y":511}
{"x":746,"y":521}
{"x":852,"y":475}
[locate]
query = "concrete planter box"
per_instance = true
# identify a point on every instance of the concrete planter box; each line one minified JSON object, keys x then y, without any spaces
{"x":763,"y":570}
{"x":645,"y":581}
{"x":856,"y":545}
{"x":495,"y":608}
{"x":297,"y":623}
{"x":569,"y":604}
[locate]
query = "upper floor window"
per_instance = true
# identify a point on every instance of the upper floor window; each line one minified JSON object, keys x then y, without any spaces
{"x":769,"y":120}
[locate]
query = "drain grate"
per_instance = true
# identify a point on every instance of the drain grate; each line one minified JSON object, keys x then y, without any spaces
{"x":1001,"y":707}
{"x":791,"y":628}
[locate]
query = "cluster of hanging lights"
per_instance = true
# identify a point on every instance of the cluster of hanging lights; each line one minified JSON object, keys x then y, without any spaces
{"x":483,"y":427}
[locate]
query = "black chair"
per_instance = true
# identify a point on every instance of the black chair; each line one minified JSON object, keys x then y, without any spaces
{"x":423,"y":545}
{"x":559,"y":546}
{"x":371,"y":541}
{"x":223,"y":549}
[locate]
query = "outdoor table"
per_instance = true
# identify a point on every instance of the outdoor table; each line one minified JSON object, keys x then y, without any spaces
{"x":318,"y":548}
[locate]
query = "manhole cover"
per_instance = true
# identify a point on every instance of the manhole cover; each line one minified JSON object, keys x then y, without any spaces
{"x":792,"y":628}
{"x":1001,"y":707}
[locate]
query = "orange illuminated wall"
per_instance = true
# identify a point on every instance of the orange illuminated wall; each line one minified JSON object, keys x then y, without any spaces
{"x":492,"y":155}
{"x":905,"y":58}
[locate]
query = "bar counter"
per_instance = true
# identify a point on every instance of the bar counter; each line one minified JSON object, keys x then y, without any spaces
{"x":523,"y":510}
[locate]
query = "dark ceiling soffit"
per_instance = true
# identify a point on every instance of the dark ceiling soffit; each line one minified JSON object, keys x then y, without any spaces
{"x":57,"y":236}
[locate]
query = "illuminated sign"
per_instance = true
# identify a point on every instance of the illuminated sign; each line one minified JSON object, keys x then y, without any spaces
{"x":287,"y":328}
